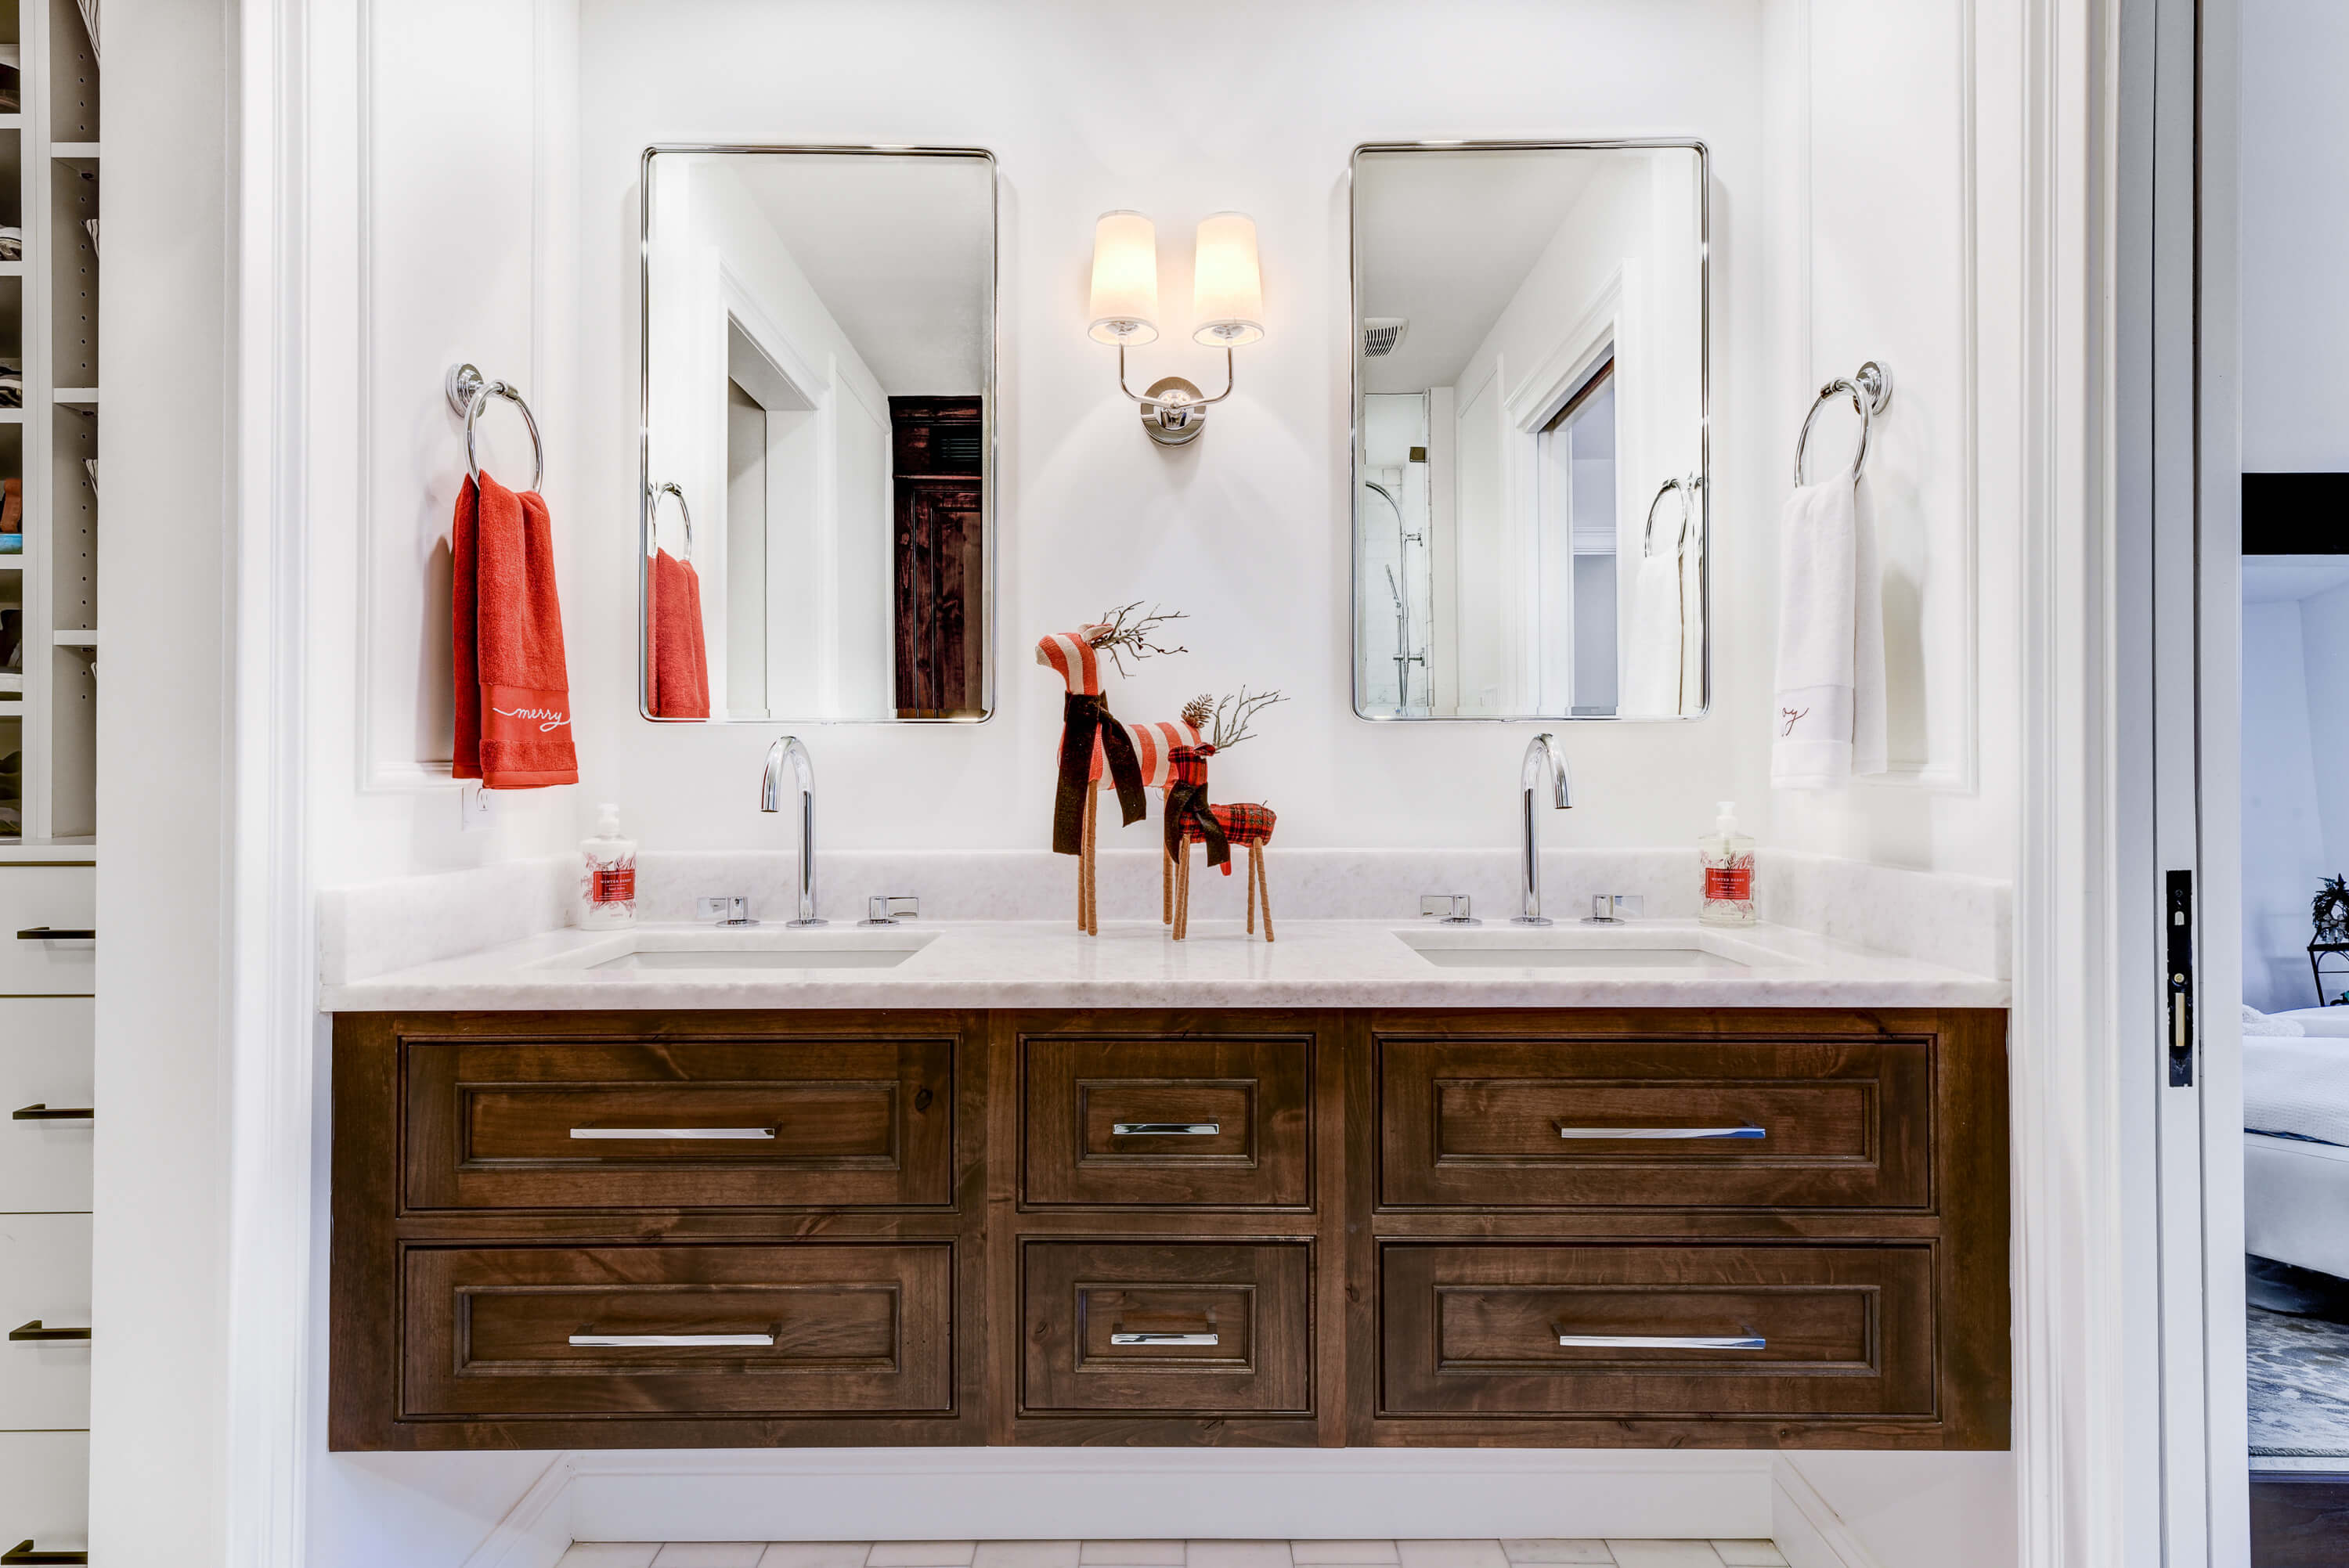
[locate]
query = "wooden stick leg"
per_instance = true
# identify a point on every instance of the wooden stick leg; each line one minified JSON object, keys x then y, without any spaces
{"x":1264,"y":886}
{"x":1251,"y":891}
{"x":1183,"y":893}
{"x":1165,"y":887}
{"x":1093,"y":864}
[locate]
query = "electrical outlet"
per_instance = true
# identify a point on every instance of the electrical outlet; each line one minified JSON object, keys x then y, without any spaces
{"x":475,"y":807}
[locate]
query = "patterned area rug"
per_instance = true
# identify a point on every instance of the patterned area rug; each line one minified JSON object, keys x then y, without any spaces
{"x":2299,"y":1385}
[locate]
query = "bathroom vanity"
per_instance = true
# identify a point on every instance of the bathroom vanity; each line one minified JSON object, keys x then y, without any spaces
{"x":636,"y":1206}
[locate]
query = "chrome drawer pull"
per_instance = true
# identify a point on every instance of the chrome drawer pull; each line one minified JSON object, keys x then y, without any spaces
{"x":1165,"y":1128}
{"x":1151,"y":1339}
{"x":1748,"y":1130}
{"x":41,"y":1113}
{"x":34,"y":1330}
{"x":636,"y":1134}
{"x":1664,"y":1341}
{"x":26,"y":1552}
{"x":647,"y":1341}
{"x":55,"y":933}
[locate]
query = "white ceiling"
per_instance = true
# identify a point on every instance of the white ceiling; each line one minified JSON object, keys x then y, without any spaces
{"x":2271,"y":579}
{"x":1445,"y":239}
{"x":902,"y":251}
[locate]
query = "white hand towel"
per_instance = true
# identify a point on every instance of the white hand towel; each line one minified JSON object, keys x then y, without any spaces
{"x":1652,"y":663}
{"x":1830,"y":722}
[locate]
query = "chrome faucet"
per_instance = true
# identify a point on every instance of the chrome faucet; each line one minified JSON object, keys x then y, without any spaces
{"x":1543,"y":764}
{"x":770,"y":798}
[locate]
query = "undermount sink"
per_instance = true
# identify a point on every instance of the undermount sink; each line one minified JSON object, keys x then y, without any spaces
{"x":1685,"y":949}
{"x":653,"y":952}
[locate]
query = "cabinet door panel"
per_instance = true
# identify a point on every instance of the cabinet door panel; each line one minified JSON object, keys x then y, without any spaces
{"x":63,"y":898}
{"x":701,"y":1123}
{"x":1538,"y":1123}
{"x":1205,"y":1121}
{"x":811,"y":1329}
{"x":1638,"y":1331}
{"x":43,"y":1277}
{"x":45,"y":1060}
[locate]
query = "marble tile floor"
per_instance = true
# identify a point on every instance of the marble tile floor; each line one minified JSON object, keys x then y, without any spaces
{"x":1173,"y":1555}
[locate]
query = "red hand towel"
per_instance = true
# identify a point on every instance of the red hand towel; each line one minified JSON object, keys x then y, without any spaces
{"x":513,"y":691}
{"x":677,"y":683}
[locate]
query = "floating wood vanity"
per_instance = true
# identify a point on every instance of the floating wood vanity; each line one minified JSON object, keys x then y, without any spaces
{"x":1732,"y":1228}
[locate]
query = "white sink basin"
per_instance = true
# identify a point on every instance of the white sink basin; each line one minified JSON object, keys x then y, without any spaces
{"x":1684,"y":949}
{"x":650,"y":952}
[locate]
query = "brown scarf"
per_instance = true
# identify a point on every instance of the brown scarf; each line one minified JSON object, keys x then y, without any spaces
{"x":1086,"y":717}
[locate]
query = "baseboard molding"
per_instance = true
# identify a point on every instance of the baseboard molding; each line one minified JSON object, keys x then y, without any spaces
{"x":537,"y":1529}
{"x":898,"y":1494}
{"x":1809,"y":1532}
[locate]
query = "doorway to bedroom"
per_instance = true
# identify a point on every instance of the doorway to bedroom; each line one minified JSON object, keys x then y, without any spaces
{"x":2295,"y":685}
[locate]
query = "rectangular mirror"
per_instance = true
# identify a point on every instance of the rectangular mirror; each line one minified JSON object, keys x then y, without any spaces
{"x":817,"y":530}
{"x":1530,"y":481}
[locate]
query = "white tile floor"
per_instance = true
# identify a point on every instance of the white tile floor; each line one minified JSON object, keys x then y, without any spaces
{"x":1173,"y":1555}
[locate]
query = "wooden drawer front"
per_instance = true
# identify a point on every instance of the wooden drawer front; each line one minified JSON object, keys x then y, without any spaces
{"x":856,"y":1329}
{"x":1256,"y":1095}
{"x":855,"y":1122}
{"x":64,"y":898}
{"x":45,"y":1060}
{"x":1473,"y":1329}
{"x":44,"y":1276}
{"x":1487,"y":1123}
{"x":1256,"y":1300}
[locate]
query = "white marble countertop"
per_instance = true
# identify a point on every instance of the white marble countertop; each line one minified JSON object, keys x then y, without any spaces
{"x":1040,"y":964}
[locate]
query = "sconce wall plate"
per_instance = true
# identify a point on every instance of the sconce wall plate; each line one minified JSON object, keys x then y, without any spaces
{"x":1173,"y":412}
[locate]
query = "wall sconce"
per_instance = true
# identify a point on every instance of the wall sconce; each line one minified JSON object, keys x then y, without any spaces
{"x":1227,"y":302}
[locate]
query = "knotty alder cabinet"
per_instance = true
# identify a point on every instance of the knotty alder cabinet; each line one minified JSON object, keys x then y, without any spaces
{"x":1577,"y":1228}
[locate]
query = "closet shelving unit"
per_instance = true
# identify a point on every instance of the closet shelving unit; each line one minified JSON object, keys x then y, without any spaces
{"x":50,"y":157}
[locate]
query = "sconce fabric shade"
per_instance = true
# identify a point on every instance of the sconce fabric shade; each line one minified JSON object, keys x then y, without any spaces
{"x":1226,"y":285}
{"x":1125,"y":279}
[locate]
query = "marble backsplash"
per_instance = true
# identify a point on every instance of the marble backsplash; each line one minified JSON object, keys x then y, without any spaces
{"x":1966,"y":922}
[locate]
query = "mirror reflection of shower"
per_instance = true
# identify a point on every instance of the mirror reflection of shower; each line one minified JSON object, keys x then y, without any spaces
{"x":1392,"y":547}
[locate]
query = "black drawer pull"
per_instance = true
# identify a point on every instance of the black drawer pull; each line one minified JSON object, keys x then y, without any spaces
{"x":26,"y":1552}
{"x":50,"y":933}
{"x":41,"y":1113}
{"x":34,"y":1330}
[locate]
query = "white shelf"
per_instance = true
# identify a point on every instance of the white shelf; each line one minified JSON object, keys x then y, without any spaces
{"x":80,"y":639}
{"x":74,"y":150}
{"x":12,"y":121}
{"x":80,"y":852}
{"x":11,"y":415}
{"x":12,"y":269}
{"x":11,"y":680}
{"x":12,"y":562}
{"x":86,"y":397}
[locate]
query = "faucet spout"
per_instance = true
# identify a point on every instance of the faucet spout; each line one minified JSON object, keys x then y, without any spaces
{"x":1543,"y":767}
{"x":770,"y":798}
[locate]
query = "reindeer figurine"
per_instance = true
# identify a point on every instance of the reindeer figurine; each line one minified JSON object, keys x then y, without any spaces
{"x":1098,"y":752}
{"x":1191,"y":819}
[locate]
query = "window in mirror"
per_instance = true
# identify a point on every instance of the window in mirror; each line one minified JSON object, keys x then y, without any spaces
{"x":1529,"y":376}
{"x":819,"y":379}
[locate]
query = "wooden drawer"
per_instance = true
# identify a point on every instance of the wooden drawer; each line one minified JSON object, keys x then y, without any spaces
{"x":1167,"y":1328}
{"x":849,"y":1329}
{"x":64,"y":898}
{"x":44,"y":1490}
{"x":782,"y":1123}
{"x":43,"y":1277}
{"x":1474,"y":1329}
{"x":1205,"y":1121}
{"x":1527,"y":1123}
{"x":45,"y":1060}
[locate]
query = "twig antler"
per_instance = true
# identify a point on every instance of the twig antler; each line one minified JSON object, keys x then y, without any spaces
{"x":1121,"y":631}
{"x":1228,"y":725}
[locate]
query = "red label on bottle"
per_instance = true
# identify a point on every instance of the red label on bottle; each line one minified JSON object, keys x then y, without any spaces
{"x":616,"y":884}
{"x":1729,"y":884}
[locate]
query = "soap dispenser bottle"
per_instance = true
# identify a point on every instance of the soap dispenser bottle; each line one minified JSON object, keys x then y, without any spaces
{"x":608,"y":875}
{"x":1728,"y":857}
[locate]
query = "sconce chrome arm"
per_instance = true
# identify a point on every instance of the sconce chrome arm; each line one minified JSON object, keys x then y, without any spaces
{"x":1173,"y":412}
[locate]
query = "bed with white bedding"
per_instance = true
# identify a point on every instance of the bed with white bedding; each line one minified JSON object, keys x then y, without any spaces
{"x":2296,"y":1140}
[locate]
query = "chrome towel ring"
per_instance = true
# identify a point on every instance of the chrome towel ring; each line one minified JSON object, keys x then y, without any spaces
{"x":652,"y":518}
{"x":1869,"y":391}
{"x":1687,"y":488}
{"x":468,"y":394}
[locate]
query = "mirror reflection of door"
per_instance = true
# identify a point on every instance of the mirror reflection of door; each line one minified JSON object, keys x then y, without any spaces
{"x":819,"y":356}
{"x":1578,"y":550}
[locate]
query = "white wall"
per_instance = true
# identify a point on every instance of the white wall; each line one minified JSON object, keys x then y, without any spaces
{"x":2294,"y":219}
{"x":2283,"y":835}
{"x":162,"y":1317}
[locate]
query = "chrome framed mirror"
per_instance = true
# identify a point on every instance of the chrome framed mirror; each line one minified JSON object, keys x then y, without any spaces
{"x":817,"y":507}
{"x":1532,"y":515}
